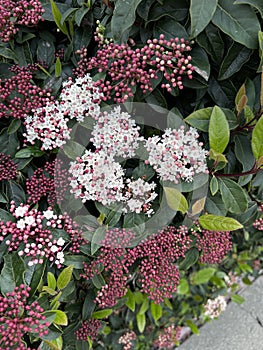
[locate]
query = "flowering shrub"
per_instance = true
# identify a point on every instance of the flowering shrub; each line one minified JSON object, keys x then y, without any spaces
{"x":120,"y":225}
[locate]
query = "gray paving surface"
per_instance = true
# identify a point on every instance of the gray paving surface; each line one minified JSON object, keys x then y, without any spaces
{"x":240,"y":327}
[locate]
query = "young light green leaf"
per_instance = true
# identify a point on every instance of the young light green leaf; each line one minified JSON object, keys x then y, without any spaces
{"x":202,"y":276}
{"x":144,"y":307}
{"x":201,"y":13}
{"x":257,"y":139}
{"x":156,"y":311}
{"x":183,"y":287}
{"x":218,"y":130}
{"x":57,"y":17}
{"x":233,"y":195}
{"x":61,"y":318}
{"x":102,"y":314}
{"x":58,"y":68}
{"x":213,"y":185}
{"x":141,"y":322}
{"x":51,"y":281}
{"x":64,"y":277}
{"x":237,"y":299}
{"x":218,"y":223}
{"x":241,"y":92}
{"x":200,"y":118}
{"x":130,"y":300}
{"x":176,"y":200}
{"x":192,"y":326}
{"x":198,"y":206}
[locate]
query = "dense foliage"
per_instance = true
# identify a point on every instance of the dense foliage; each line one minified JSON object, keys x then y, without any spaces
{"x":127,"y":265}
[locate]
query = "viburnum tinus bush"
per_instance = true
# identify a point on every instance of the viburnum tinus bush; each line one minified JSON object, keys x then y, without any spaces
{"x":131,"y":168}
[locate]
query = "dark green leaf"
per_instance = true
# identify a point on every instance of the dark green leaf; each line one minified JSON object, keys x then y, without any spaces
{"x":201,"y":13}
{"x":12,"y":273}
{"x":236,"y":56}
{"x":190,"y":259}
{"x":170,"y":28}
{"x":240,"y":22}
{"x":45,"y":51}
{"x":233,"y":195}
{"x":254,"y":3}
{"x":73,"y":149}
{"x":79,"y":15}
{"x":33,"y":276}
{"x":97,"y":238}
{"x":123,"y":18}
{"x":144,"y":8}
{"x":210,"y":39}
{"x":16,"y":193}
{"x":176,"y":9}
{"x":14,"y":126}
{"x":28,"y":152}
{"x":88,"y":305}
{"x":7,"y":53}
{"x":200,"y":62}
{"x":244,"y":152}
{"x":214,"y":205}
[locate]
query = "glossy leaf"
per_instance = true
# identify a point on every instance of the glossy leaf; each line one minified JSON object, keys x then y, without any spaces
{"x":123,"y":18}
{"x":200,"y":62}
{"x":233,"y":195}
{"x":213,"y":185}
{"x":218,"y":130}
{"x":183,"y":287}
{"x":257,"y":139}
{"x":64,"y":277}
{"x":240,"y":22}
{"x":102,"y":314}
{"x":176,"y":200}
{"x":210,"y":39}
{"x":202,"y":276}
{"x":191,"y":257}
{"x":141,"y":322}
{"x":170,"y":28}
{"x":130,"y":300}
{"x":257,"y":4}
{"x":201,"y":13}
{"x":156,"y":311}
{"x":177,"y":10}
{"x":12,"y":273}
{"x":218,"y":223}
{"x":243,"y":152}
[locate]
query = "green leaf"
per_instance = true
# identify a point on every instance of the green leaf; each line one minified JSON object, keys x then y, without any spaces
{"x":79,"y":15}
{"x":200,"y":62}
{"x":236,"y":56}
{"x":64,"y":277}
{"x":210,"y":39}
{"x":97,"y":238}
{"x":45,"y":51}
{"x":51,"y":281}
{"x":57,"y":17}
{"x":183,"y":287}
{"x":130,"y":300}
{"x":88,"y":305}
{"x":67,"y":14}
{"x":254,"y":3}
{"x":102,"y":314}
{"x":243,"y":151}
{"x":55,"y":344}
{"x":214,"y":205}
{"x":192,"y":326}
{"x":200,"y":119}
{"x":257,"y":139}
{"x":12,"y":273}
{"x":98,"y":281}
{"x":218,"y":130}
{"x":14,"y":126}
{"x":60,"y":317}
{"x":16,"y":193}
{"x":123,"y":18}
{"x":218,"y":223}
{"x":237,"y":299}
{"x":170,"y":28}
{"x":233,"y":195}
{"x":176,"y":200}
{"x":174,"y":119}
{"x":144,"y":307}
{"x":156,"y":311}
{"x":73,"y":149}
{"x":28,"y":152}
{"x":201,"y":13}
{"x":58,"y":68}
{"x":7,"y":53}
{"x":141,"y":322}
{"x":240,"y":22}
{"x":177,"y":10}
{"x":190,"y":259}
{"x":202,"y":276}
{"x":213,"y":185}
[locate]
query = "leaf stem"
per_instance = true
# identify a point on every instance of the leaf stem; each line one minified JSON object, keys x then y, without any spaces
{"x":253,"y":170}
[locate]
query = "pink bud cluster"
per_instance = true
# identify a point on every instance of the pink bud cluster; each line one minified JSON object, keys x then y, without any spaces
{"x":17,"y":318}
{"x":156,"y":256}
{"x":258,"y":224}
{"x":89,"y":329}
{"x":14,"y":13}
{"x":214,"y":245}
{"x":8,"y":169}
{"x":19,"y":96}
{"x":32,"y":236}
{"x":126,"y":66}
{"x":50,"y":180}
{"x":167,"y":338}
{"x":127,"y":339}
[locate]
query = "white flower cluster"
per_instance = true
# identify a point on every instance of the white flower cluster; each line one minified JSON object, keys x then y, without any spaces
{"x":214,"y":307}
{"x":81,"y":98}
{"x":49,"y":124}
{"x":97,"y":176}
{"x":138,"y":196}
{"x":116,"y":133}
{"x":177,"y":155}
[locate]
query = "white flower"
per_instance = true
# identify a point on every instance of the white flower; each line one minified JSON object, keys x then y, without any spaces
{"x":54,"y":249}
{"x":214,"y":307}
{"x":21,"y":211}
{"x":48,"y":214}
{"x":116,"y":133}
{"x":177,"y":155}
{"x":60,"y":242}
{"x":21,"y":224}
{"x":29,"y":220}
{"x":60,"y":255}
